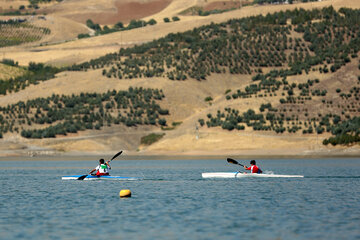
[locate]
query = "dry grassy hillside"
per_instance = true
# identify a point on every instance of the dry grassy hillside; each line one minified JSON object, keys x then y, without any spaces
{"x":7,"y":72}
{"x":185,"y":100}
{"x":86,"y":49}
{"x":8,"y":5}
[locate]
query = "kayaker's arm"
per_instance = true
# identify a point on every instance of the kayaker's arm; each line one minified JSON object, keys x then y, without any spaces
{"x":107,"y":163}
{"x":92,"y":171}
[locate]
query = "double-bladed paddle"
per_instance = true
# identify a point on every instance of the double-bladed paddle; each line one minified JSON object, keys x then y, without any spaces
{"x":115,"y":156}
{"x":230,"y":160}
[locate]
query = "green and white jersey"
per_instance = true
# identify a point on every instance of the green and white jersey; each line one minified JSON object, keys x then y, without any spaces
{"x":102,"y":168}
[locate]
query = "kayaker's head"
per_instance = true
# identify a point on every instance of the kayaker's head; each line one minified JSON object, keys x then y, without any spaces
{"x":102,"y":161}
{"x":253,"y":162}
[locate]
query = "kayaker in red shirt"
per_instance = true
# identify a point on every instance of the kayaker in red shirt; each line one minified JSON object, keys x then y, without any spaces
{"x":253,"y":168}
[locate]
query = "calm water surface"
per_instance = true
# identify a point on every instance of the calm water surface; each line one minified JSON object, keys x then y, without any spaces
{"x":174,"y":202}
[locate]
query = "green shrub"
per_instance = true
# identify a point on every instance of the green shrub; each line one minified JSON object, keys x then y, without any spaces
{"x":174,"y":124}
{"x":152,"y":22}
{"x":83,"y":35}
{"x":162,"y":121}
{"x":151,"y":138}
{"x":119,"y":25}
{"x":208,"y":99}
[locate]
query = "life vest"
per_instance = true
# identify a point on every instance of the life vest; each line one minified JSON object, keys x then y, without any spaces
{"x":102,"y":169}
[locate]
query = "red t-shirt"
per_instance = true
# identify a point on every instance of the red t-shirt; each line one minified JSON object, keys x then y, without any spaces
{"x":254,"y":169}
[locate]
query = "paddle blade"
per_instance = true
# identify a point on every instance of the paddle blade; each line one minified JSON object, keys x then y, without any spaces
{"x":116,"y":155}
{"x":82,"y":177}
{"x":230,"y":160}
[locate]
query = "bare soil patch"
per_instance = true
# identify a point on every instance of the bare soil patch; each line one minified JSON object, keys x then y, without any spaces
{"x":135,"y":10}
{"x":113,"y":12}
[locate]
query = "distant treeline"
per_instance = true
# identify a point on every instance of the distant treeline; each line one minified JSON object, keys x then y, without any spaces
{"x":12,"y":21}
{"x":295,"y":111}
{"x":35,"y":72}
{"x":329,"y":39}
{"x":16,"y":13}
{"x":10,"y":62}
{"x":345,"y":132}
{"x":43,"y":1}
{"x":291,"y":116}
{"x":59,"y":115}
{"x":34,"y":3}
{"x":117,"y":27}
{"x":281,"y":1}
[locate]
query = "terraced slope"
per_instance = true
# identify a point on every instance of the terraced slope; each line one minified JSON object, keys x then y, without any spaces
{"x":15,"y":32}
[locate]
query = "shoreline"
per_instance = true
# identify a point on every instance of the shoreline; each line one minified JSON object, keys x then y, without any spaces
{"x":126,"y":157}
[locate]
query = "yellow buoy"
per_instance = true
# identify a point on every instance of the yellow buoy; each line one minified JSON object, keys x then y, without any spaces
{"x":125,"y":193}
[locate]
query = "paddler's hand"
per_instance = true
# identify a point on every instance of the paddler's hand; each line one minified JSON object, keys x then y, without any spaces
{"x":245,"y":167}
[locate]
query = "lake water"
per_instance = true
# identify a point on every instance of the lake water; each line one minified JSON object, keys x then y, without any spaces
{"x":174,"y":202}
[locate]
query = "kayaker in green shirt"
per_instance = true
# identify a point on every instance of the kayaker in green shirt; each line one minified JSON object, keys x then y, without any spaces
{"x":102,"y":169}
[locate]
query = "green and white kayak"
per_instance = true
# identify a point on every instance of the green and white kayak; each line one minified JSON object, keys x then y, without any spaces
{"x":243,"y":175}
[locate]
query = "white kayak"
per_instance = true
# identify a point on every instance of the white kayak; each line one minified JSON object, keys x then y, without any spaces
{"x":241,"y":175}
{"x":108,"y":177}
